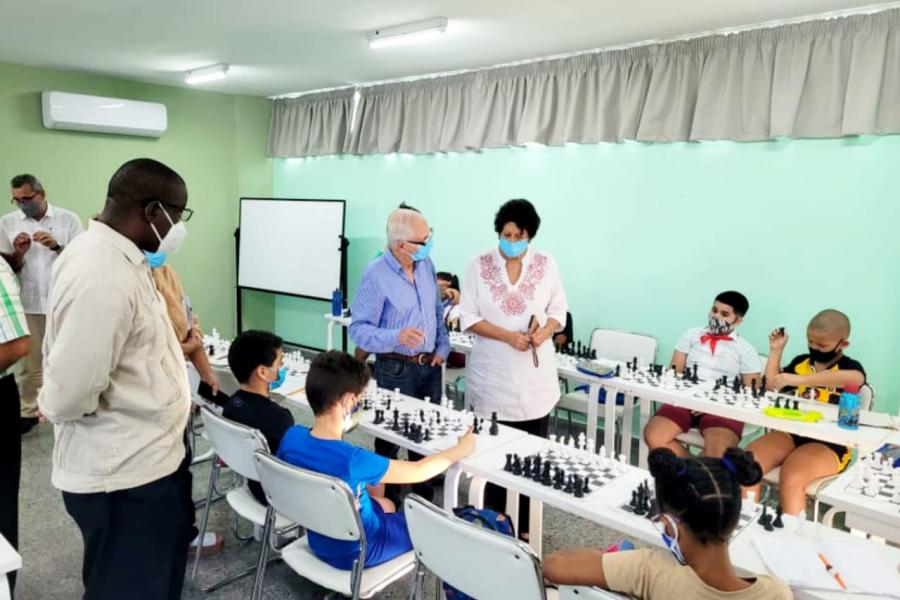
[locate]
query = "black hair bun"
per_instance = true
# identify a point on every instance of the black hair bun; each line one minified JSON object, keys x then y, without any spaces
{"x":746,"y":470}
{"x":665,"y":465}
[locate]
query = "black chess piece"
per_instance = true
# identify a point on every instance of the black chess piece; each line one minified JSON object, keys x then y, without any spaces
{"x":578,"y":350}
{"x":736,"y":384}
{"x":210,"y":349}
{"x":694,"y":376}
{"x":777,"y":402}
{"x":579,"y":487}
{"x":587,"y":485}
{"x":618,"y":370}
{"x":570,"y":485}
{"x":526,"y":468}
{"x":779,"y":511}
{"x":388,"y":404}
{"x":558,"y":477}
{"x":546,"y":478}
{"x":508,"y":466}
{"x":476,"y":425}
{"x":635,"y":503}
{"x":406,"y":429}
{"x":495,"y":426}
{"x":421,"y":416}
{"x":762,"y":386}
{"x":396,"y":425}
{"x":593,"y":354}
{"x":428,"y":437}
{"x":517,"y":465}
{"x":765,"y":519}
{"x":796,"y":405}
{"x":781,"y":331}
{"x":536,"y":470}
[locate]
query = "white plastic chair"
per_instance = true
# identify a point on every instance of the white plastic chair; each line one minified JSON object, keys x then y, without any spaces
{"x":478,"y":562}
{"x":611,"y":344}
{"x":771,"y":479}
{"x":572,"y":592}
{"x":235,"y":444}
{"x":325,"y":505}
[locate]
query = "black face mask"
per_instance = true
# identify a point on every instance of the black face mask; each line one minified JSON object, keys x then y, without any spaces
{"x":825,"y":357}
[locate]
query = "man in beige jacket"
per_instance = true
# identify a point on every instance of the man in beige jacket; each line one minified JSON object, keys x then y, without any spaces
{"x":116,"y":391}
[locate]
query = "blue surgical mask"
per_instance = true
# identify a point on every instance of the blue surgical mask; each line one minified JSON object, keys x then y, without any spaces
{"x":424,"y":250}
{"x":513,"y":249}
{"x":155,"y":259}
{"x":670,"y":542}
{"x":279,"y":381}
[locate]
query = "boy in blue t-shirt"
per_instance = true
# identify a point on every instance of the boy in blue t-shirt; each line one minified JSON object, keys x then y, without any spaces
{"x":334,"y":388}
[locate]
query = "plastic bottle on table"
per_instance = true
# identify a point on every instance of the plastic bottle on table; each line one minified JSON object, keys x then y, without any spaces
{"x":337,"y":303}
{"x":848,"y":409}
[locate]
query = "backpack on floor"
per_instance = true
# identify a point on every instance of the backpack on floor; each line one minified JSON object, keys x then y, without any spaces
{"x":486,"y":519}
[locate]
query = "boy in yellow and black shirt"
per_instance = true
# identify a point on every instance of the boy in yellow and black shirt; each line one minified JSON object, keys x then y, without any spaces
{"x":821,"y":374}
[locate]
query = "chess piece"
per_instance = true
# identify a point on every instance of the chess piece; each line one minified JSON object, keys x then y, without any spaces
{"x":570,"y":485}
{"x":508,"y":466}
{"x":618,"y":370}
{"x":777,"y":402}
{"x":765,"y":519}
{"x":796,"y":405}
{"x":779,"y":511}
{"x":495,"y":427}
{"x":428,"y":437}
{"x":516,"y":465}
{"x":579,"y":487}
{"x":558,"y":477}
{"x":622,"y":467}
{"x":546,"y":478}
{"x":872,"y":487}
{"x":587,"y":488}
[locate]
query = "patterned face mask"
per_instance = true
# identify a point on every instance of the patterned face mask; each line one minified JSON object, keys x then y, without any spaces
{"x":720,"y":327}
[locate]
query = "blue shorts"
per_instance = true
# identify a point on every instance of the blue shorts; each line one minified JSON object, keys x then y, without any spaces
{"x":392,"y":539}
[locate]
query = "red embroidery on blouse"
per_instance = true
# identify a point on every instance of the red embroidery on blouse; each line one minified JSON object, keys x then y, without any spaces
{"x":512,"y":302}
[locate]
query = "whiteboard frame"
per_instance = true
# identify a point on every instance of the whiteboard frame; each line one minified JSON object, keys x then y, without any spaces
{"x":342,"y":277}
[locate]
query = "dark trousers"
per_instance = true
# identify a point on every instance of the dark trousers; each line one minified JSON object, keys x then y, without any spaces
{"x":495,"y":496}
{"x":10,"y":464}
{"x":413,"y":380}
{"x":135,"y":540}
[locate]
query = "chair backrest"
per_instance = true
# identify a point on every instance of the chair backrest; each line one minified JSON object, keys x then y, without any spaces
{"x":572,"y":592}
{"x":478,"y":562}
{"x":318,"y":502}
{"x":616,"y":344}
{"x":867,"y":397}
{"x":233,"y":443}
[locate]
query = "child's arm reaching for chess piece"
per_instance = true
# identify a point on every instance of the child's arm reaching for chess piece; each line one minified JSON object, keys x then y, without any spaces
{"x":700,"y":502}
{"x":408,"y":471}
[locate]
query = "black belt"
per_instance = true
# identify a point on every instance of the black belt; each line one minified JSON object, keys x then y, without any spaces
{"x":417,"y":359}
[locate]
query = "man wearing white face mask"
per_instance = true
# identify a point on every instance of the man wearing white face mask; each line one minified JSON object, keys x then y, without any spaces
{"x":116,"y":390}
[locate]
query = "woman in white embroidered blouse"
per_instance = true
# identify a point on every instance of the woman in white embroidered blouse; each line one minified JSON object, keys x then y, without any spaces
{"x":503,"y":288}
{"x":513,"y":301}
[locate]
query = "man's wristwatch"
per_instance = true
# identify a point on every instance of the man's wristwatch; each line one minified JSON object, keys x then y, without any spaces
{"x":57,"y":248}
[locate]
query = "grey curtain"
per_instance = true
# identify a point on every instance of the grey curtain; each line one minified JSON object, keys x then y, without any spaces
{"x":817,"y":79}
{"x":311,"y":125}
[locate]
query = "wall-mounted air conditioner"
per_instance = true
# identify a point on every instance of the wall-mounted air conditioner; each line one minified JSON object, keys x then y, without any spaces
{"x":79,"y":112}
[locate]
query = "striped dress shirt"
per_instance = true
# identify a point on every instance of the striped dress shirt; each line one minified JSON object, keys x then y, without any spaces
{"x":12,"y":317}
{"x":387,"y":302}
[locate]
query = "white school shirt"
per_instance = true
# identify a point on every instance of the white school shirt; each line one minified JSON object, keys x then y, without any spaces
{"x":498,"y":377}
{"x":737,"y":357}
{"x":34,"y":276}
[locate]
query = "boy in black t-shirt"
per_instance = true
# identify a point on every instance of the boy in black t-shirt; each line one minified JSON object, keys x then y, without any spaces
{"x":821,"y":374}
{"x":255,"y":359}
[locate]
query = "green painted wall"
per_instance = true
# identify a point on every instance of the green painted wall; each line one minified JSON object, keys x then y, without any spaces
{"x":216,"y":142}
{"x":647,"y":234}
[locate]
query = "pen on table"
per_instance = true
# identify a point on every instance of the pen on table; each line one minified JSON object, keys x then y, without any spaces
{"x":831,"y":571}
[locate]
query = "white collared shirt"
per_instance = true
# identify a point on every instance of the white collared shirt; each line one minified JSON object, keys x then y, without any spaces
{"x":34,"y":276}
{"x":115,"y":387}
{"x":732,"y":358}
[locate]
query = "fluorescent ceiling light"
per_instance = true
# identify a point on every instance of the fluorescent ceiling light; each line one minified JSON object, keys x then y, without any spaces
{"x":210,"y":73}
{"x":410,"y":33}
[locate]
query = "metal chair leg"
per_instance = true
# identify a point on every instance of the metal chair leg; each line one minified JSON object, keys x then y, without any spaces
{"x":256,"y":594}
{"x":214,"y":472}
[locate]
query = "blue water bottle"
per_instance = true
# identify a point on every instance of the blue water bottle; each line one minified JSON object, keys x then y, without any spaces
{"x":848,"y":410}
{"x":337,"y":303}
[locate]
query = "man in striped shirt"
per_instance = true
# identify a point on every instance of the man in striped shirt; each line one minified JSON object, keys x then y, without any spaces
{"x":397,"y":314}
{"x":14,"y":344}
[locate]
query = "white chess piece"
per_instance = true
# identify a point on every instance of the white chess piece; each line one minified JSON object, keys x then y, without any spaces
{"x":552,"y":438}
{"x":872,"y":488}
{"x":896,"y":497}
{"x":622,"y":467}
{"x":858,"y":481}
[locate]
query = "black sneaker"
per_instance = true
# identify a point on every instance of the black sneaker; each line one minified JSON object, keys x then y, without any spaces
{"x":26,"y":424}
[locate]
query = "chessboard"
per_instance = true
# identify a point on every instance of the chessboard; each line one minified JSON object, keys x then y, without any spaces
{"x":876,"y":479}
{"x":418,"y":421}
{"x":643,"y":503}
{"x":572,"y":468}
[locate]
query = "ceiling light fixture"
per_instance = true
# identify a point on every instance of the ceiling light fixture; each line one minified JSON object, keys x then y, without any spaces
{"x":410,"y":33}
{"x":206,"y":74}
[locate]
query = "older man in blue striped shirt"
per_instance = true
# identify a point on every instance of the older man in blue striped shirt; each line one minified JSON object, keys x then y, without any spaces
{"x":397,"y":314}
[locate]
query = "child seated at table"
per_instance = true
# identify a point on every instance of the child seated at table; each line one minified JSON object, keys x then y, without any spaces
{"x":819,"y":374}
{"x":334,"y":387}
{"x":700,"y":504}
{"x":255,"y":359}
{"x":717,"y":351}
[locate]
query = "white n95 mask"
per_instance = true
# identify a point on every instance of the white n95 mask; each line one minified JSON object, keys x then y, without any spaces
{"x":174,"y":237}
